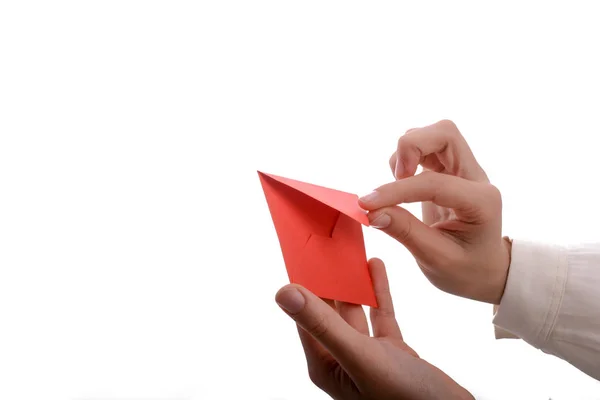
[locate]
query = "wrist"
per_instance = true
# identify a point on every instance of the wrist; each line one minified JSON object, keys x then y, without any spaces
{"x":504,"y":266}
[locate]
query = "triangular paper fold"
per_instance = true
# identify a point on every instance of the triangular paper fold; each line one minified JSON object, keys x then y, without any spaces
{"x":336,"y":199}
{"x":320,"y":233}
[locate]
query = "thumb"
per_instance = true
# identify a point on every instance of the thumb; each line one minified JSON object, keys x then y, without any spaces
{"x":426,"y":244}
{"x":324,"y":324}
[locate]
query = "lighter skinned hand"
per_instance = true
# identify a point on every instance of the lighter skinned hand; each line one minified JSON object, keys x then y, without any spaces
{"x":347,"y":363}
{"x":458,"y":245}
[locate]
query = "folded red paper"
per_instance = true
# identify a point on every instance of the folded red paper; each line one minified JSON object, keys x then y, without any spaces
{"x":321,"y":238}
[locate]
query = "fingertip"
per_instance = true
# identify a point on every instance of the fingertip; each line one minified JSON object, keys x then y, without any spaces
{"x":399,"y":171}
{"x":363,"y":205}
{"x":377,"y":270}
{"x":366,"y":201}
{"x":290,"y":298}
{"x":375,"y":262}
{"x":283,"y":288}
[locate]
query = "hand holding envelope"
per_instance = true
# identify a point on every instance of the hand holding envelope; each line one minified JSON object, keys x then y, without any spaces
{"x":320,"y":233}
{"x":346,"y":362}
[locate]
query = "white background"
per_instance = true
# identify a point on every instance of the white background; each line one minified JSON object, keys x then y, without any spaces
{"x":137,"y":255}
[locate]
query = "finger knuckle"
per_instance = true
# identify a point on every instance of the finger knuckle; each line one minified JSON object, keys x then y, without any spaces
{"x":315,"y":377}
{"x":451,"y":131}
{"x":393,"y":160}
{"x":318,"y":327}
{"x":413,"y":352}
{"x":407,"y":135}
{"x":493,"y":197}
{"x":430,"y":180}
{"x":448,"y":125}
{"x":385,"y":312}
{"x":403,"y":141}
{"x":428,"y":177}
{"x":494,"y":192}
{"x":402,"y":233}
{"x":409,"y":142}
{"x":436,"y":183}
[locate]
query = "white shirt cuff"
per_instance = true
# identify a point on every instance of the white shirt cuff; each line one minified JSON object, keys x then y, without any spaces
{"x":534,"y":289}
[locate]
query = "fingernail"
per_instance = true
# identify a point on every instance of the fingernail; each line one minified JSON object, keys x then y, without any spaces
{"x":380,"y":221}
{"x":291,"y":300}
{"x":369,"y":197}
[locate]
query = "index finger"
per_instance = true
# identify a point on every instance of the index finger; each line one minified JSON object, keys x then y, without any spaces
{"x":466,"y":197}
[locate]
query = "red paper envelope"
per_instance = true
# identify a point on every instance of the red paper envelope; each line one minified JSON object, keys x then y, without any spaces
{"x":321,"y":238}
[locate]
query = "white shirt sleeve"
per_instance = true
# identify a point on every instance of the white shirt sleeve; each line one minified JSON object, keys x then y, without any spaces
{"x":552,"y":301}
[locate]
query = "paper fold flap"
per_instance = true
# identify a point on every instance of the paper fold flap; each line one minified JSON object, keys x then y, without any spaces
{"x":346,"y":203}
